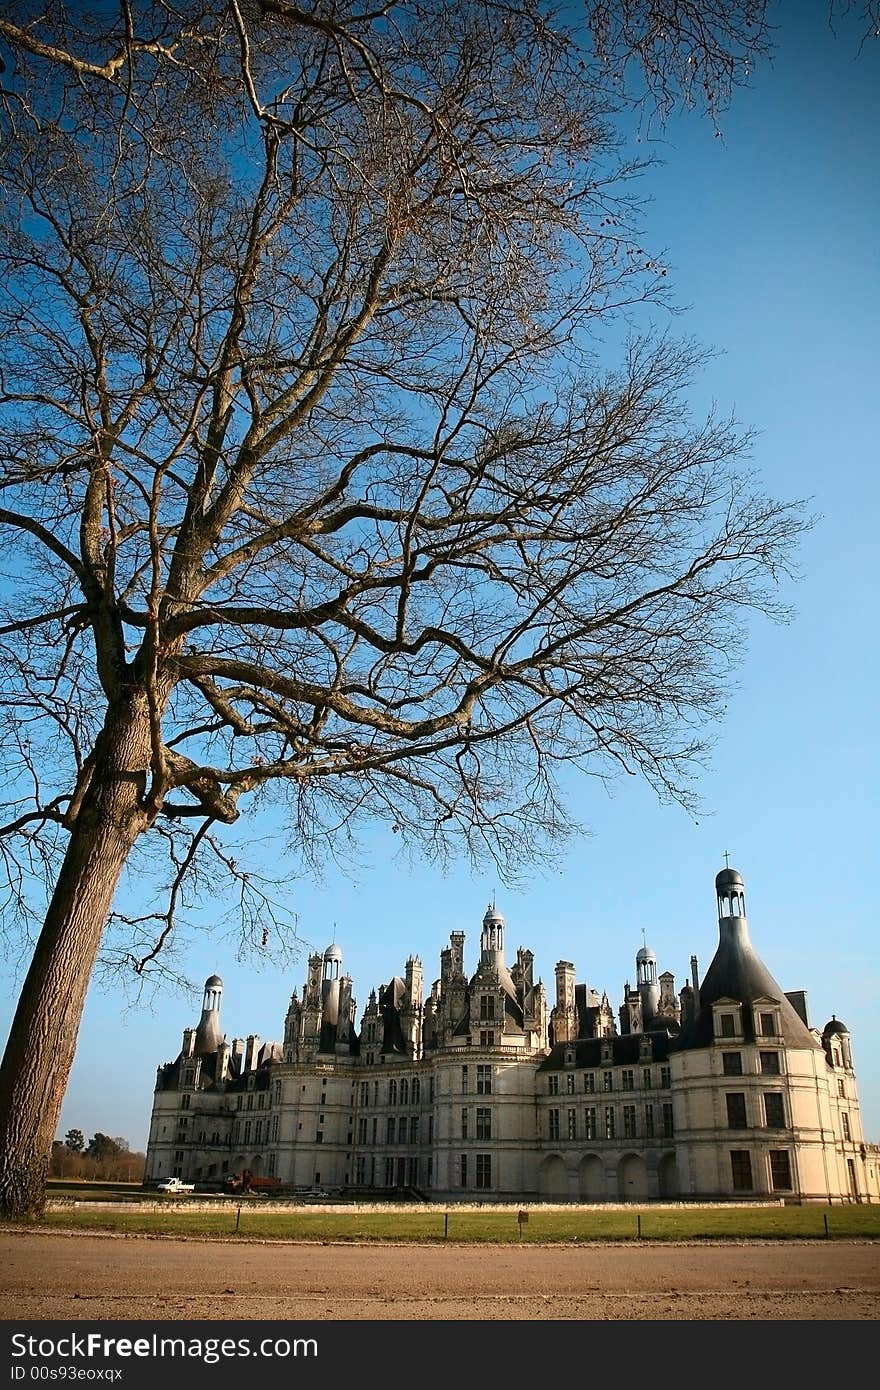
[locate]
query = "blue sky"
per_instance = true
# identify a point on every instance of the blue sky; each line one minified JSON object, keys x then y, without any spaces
{"x":772,"y":233}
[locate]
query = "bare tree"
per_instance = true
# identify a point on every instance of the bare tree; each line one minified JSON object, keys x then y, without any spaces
{"x":315,"y":485}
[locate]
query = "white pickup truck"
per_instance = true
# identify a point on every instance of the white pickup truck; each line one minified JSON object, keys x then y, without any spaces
{"x":175,"y":1185}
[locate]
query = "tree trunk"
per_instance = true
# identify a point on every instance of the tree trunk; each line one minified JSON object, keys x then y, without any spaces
{"x":42,"y":1041}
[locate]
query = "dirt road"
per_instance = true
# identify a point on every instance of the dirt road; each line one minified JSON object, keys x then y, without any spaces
{"x":45,"y":1276}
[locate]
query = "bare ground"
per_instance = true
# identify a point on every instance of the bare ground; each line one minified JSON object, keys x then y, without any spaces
{"x":71,"y":1276}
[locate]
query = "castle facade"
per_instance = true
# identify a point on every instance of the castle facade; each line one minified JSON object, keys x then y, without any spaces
{"x":482,"y":1092}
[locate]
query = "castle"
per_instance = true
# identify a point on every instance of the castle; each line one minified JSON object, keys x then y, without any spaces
{"x":480,"y":1092}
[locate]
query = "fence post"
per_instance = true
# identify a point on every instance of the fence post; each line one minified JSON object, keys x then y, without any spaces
{"x":238,"y":1217}
{"x":446,"y":1227}
{"x":639,"y":1224}
{"x":825,"y":1219}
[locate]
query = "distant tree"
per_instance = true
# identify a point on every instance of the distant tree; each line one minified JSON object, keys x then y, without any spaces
{"x":313,"y":488}
{"x":75,"y":1140}
{"x":102,"y":1147}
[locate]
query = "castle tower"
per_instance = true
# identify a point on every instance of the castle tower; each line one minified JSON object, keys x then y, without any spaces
{"x":209,"y":1034}
{"x":330,"y":991}
{"x":492,"y":938}
{"x":647,"y":984}
{"x":737,"y":972}
{"x":563,"y":1019}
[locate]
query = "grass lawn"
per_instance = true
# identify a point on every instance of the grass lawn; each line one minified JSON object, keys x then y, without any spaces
{"x":482,"y":1225}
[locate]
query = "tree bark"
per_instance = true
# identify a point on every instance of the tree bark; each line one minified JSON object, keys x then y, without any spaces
{"x":42,"y":1041}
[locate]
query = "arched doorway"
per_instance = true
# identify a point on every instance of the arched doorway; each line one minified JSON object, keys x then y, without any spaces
{"x":591,"y":1179}
{"x":552,"y":1177}
{"x":632,"y":1178}
{"x":667,"y":1176}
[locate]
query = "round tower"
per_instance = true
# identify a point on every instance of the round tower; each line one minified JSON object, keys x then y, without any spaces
{"x":209,"y":1034}
{"x":647,"y":984}
{"x":492,"y":939}
{"x":330,"y":984}
{"x":731,"y":894}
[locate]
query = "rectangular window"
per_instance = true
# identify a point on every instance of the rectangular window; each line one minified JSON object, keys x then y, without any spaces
{"x":728,"y":1026}
{"x":247,"y":1132}
{"x":647,"y":1079}
{"x":404,"y":1091}
{"x":774,"y":1110}
{"x":732,"y":1063}
{"x":572,"y":1124}
{"x":389,"y":1172}
{"x":741,"y":1170}
{"x":607,"y":1081}
{"x":665,"y":1077}
{"x":430,"y":1129}
{"x":362,"y":1130}
{"x":487,"y":1038}
{"x":780,"y":1170}
{"x":609,"y":1122}
{"x":319,"y":1136}
{"x":649,"y":1121}
{"x":769,"y":1063}
{"x":416,"y":1090}
{"x":365,"y":1093}
{"x":360,"y":1171}
{"x":375,"y":1131}
{"x":844,"y":1120}
{"x":484,"y":1081}
{"x":184,"y":1102}
{"x":484,"y":1122}
{"x":274,"y":1130}
{"x":258,"y":1132}
{"x":390,"y":1127}
{"x":589,"y":1081}
{"x":553,"y":1085}
{"x":463,"y":1170}
{"x":629,"y":1121}
{"x":487,"y":1008}
{"x":590,"y":1122}
{"x":668,"y":1126}
{"x":464,"y":1124}
{"x":464,"y":1079}
{"x":553,"y":1124}
{"x":736,"y":1110}
{"x":413,"y":1129}
{"x":768,"y":1026}
{"x":484,"y":1170}
{"x":392,"y":1092}
{"x":569,"y":1084}
{"x":627,"y":1080}
{"x":841,"y":1088}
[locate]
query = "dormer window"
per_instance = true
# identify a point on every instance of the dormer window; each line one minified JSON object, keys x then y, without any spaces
{"x":767,"y":1024}
{"x":727,"y":1019}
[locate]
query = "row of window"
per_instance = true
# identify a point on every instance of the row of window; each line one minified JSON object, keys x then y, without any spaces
{"x":773,"y":1110}
{"x":730,"y":1024}
{"x":246,"y":1131}
{"x":398,"y":1171}
{"x":741,"y":1170}
{"x":732,"y":1063}
{"x":401,"y":1090}
{"x":626,"y":1079}
{"x":649,"y":1124}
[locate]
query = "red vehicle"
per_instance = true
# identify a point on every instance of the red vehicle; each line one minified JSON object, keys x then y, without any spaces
{"x":246,"y":1181}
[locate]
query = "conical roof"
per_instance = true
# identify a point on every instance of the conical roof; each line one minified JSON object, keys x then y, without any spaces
{"x":737,"y":972}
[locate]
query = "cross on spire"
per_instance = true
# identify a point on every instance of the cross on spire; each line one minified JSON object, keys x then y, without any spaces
{"x":726,"y":860}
